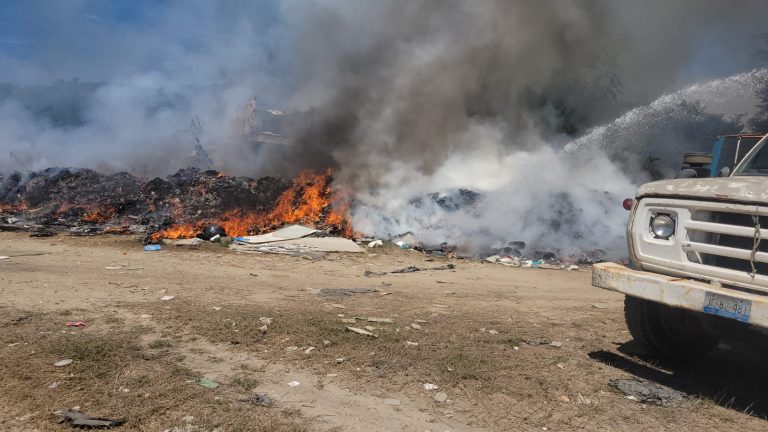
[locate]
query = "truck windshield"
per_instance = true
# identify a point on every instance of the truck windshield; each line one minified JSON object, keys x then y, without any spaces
{"x":757,"y":165}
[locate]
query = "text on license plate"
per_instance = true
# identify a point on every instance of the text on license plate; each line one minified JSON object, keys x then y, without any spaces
{"x":730,"y":307}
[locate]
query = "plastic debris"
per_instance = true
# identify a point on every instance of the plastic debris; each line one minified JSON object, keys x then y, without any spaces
{"x":64,"y":362}
{"x":416,"y":326}
{"x":75,"y":324}
{"x":3,"y":257}
{"x":294,"y":384}
{"x":167,"y":297}
{"x":429,"y":386}
{"x":375,"y":244}
{"x":152,"y":247}
{"x":441,"y":397}
{"x":262,"y":399}
{"x":411,"y":343}
{"x":80,"y":420}
{"x":209,"y":384}
{"x":361,"y":331}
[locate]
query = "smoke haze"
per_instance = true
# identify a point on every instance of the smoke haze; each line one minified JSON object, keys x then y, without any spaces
{"x":516,"y":101}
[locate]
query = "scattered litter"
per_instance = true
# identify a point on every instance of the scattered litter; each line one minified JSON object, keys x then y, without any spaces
{"x":560,"y":365}
{"x":584,"y":401}
{"x":291,"y":232}
{"x":441,"y":397}
{"x":294,"y":384}
{"x":409,"y":269}
{"x":361,"y":331}
{"x":209,"y":384}
{"x":331,"y":375}
{"x":342,"y":293}
{"x":411,"y":343}
{"x":80,"y":420}
{"x":564,"y":398}
{"x":265,"y":320}
{"x":114,"y":268}
{"x":75,"y":324}
{"x":262,"y":399}
{"x":415,"y":326}
{"x":380,"y":320}
{"x":340,"y":360}
{"x":311,"y":247}
{"x":375,"y":244}
{"x":145,"y":316}
{"x":645,"y":391}
{"x":152,"y":247}
{"x":263,"y":328}
{"x":62,"y":363}
{"x":212,"y":232}
{"x":493,"y":332}
{"x":309,"y":350}
{"x":291,"y":348}
{"x":216,"y":308}
{"x":54,"y":385}
{"x":598,"y":306}
{"x":429,"y":386}
{"x":13,"y":344}
{"x":556,"y":344}
{"x":572,"y":268}
{"x":3,"y":257}
{"x":393,"y":402}
{"x":184,"y":242}
{"x":413,"y":269}
{"x":167,"y":297}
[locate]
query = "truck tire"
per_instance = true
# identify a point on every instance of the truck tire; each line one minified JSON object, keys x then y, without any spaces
{"x":667,"y":332}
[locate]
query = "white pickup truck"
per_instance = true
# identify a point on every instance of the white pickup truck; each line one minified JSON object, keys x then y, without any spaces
{"x":698,"y":260}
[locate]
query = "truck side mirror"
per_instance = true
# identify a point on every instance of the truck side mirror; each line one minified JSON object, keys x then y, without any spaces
{"x":724,"y":172}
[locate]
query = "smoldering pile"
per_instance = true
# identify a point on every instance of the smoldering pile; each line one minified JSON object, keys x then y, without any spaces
{"x":84,"y":202}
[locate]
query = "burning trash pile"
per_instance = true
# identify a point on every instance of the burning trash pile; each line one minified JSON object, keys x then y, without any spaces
{"x":190,"y":203}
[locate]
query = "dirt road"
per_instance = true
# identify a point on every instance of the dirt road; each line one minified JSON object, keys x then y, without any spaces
{"x":482,"y":333}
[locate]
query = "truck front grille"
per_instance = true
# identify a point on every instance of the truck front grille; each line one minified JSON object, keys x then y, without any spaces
{"x":726,"y":239}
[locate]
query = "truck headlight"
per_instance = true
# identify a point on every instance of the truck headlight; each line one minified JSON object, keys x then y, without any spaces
{"x":662,"y":226}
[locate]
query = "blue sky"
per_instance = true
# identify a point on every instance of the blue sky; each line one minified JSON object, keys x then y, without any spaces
{"x":97,"y":39}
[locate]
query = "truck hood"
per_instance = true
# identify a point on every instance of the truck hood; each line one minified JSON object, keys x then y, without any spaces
{"x":749,"y":189}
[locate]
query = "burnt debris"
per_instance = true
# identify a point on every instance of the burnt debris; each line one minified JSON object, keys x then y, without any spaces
{"x":85,"y":202}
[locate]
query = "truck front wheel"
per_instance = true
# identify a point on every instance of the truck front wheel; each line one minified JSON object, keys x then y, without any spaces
{"x":667,"y":332}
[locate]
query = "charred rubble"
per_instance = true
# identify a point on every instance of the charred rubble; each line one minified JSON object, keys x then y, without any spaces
{"x":83,"y":201}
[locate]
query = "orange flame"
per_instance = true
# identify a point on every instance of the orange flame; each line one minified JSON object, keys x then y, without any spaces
{"x":19,"y":207}
{"x":99,"y":215}
{"x":310,"y":200}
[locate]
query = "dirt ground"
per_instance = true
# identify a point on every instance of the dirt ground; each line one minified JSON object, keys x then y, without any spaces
{"x":480,"y":332}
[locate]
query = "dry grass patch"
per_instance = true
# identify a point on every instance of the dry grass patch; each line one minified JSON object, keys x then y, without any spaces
{"x":112,"y":375}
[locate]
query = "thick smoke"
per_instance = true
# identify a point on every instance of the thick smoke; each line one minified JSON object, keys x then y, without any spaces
{"x":408,"y":98}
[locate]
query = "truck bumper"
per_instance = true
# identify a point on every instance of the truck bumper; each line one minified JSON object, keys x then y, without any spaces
{"x":673,"y":291}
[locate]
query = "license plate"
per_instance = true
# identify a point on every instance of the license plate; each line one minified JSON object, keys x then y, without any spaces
{"x":729,"y":307}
